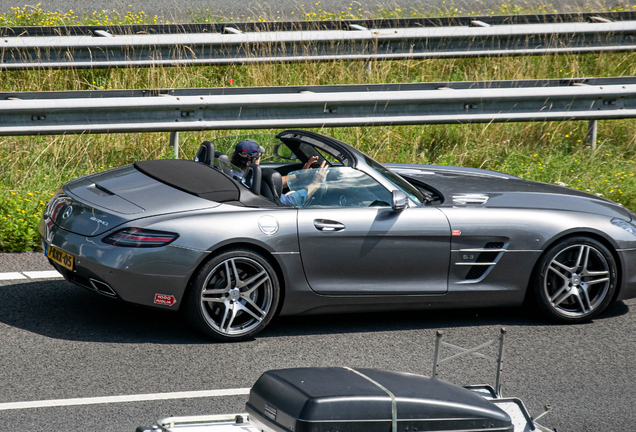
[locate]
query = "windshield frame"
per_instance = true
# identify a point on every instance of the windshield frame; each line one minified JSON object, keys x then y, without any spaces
{"x":396,"y":180}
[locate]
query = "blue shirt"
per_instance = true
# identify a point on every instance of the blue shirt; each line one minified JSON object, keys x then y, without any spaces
{"x":295,"y":198}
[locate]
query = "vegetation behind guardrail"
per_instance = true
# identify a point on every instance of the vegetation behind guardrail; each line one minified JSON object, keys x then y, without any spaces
{"x":32,"y":168}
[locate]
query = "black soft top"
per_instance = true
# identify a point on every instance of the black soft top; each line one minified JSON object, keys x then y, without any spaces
{"x":201,"y":180}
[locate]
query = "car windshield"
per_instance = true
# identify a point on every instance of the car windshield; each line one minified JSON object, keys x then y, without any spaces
{"x":406,"y":187}
{"x":337,"y":187}
{"x":227,"y":167}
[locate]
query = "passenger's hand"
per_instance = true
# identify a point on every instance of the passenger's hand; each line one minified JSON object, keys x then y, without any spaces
{"x":312,"y":160}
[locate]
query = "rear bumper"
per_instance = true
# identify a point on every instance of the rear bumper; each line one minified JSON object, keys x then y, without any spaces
{"x":86,"y":280}
{"x":130,"y":274}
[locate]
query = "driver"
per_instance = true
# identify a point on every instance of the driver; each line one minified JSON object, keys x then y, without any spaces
{"x":298,"y":197}
{"x":249,"y":151}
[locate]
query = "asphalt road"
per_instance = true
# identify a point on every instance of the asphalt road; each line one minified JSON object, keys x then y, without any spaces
{"x":182,"y":10}
{"x":60,"y":341}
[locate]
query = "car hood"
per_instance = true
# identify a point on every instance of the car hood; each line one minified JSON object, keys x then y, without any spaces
{"x":106,"y":200}
{"x":483,"y":188}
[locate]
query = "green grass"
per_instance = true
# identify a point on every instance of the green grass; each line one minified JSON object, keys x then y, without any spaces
{"x":32,"y":168}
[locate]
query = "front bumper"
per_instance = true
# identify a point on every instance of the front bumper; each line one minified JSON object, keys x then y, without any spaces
{"x":135,"y":275}
{"x":628,"y":281}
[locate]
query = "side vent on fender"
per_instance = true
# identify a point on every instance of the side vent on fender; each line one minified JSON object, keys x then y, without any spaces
{"x":476,"y":272}
{"x":470,"y":199}
{"x":486,"y":260}
{"x":493,"y":245}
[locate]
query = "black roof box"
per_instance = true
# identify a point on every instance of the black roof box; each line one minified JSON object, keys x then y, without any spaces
{"x":367,"y":400}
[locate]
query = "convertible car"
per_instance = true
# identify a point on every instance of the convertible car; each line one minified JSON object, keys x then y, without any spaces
{"x":217,"y":243}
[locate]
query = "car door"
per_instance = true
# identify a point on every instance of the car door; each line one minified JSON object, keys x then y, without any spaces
{"x":352,"y":242}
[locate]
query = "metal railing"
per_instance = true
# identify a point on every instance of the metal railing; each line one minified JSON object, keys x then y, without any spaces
{"x":345,"y":24}
{"x":174,"y":110}
{"x":475,"y":353}
{"x":242,"y":43}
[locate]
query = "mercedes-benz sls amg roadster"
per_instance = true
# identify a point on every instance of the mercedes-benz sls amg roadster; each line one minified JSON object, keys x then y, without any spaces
{"x":218,"y":243}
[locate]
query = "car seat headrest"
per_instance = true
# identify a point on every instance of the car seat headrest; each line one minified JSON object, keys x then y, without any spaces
{"x":272,"y":183}
{"x":205,"y":154}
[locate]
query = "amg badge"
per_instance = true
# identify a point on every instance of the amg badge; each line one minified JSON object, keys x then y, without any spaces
{"x":99,"y":221}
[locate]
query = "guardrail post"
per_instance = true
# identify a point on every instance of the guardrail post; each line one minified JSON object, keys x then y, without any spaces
{"x":438,"y":339}
{"x":502,"y":342}
{"x":591,"y":133}
{"x":174,"y":143}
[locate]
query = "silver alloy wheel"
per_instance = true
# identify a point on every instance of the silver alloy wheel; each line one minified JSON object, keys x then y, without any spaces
{"x":237,"y":296}
{"x":577,"y":280}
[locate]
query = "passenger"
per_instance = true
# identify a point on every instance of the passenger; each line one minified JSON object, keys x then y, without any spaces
{"x":245,"y":153}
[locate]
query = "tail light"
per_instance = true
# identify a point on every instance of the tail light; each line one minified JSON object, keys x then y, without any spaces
{"x":54,"y":205}
{"x":140,"y":238}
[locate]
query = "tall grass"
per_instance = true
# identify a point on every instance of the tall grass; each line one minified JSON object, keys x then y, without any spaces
{"x":32,"y":168}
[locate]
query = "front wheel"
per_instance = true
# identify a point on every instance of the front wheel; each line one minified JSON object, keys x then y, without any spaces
{"x":575,"y":280}
{"x":234,"y":296}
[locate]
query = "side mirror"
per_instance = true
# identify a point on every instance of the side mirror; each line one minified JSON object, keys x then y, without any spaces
{"x":400,"y":201}
{"x":288,"y":154}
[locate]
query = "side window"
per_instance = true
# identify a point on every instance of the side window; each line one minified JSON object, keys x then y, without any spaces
{"x":342,"y":187}
{"x":281,"y":151}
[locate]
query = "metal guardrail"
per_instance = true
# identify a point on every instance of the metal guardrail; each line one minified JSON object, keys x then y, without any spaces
{"x":234,"y":43}
{"x":345,"y":24}
{"x":174,"y":110}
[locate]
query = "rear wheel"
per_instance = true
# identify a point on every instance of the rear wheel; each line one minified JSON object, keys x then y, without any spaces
{"x":234,"y":296}
{"x":575,"y":280}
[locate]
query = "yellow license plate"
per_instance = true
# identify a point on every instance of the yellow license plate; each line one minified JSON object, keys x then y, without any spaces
{"x":61,"y":257}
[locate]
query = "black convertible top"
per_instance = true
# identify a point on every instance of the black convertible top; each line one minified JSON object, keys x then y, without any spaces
{"x":201,"y":180}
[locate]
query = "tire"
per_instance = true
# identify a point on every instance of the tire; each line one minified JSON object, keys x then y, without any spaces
{"x":233,"y":311}
{"x":575,"y":280}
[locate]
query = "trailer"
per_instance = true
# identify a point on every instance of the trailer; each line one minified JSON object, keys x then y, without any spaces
{"x":344,"y":399}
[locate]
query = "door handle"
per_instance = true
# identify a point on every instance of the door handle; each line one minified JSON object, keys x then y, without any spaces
{"x":328,"y":225}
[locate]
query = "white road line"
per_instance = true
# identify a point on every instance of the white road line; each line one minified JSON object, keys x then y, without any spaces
{"x":11,"y":276}
{"x":124,"y":398}
{"x":47,"y":274}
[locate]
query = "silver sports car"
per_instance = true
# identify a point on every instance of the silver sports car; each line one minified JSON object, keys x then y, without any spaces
{"x":218,"y":243}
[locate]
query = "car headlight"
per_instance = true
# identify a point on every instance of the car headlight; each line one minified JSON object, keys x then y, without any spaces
{"x":625,"y":225}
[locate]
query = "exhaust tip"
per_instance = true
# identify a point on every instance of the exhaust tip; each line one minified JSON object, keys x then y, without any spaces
{"x":103,"y":288}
